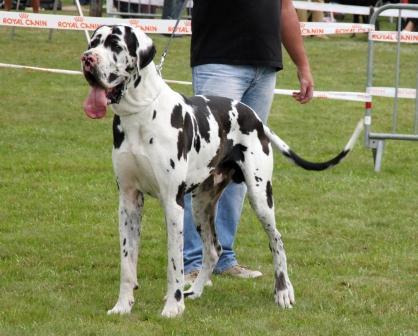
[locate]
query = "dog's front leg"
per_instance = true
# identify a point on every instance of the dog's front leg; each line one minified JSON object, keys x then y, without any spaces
{"x":130,"y":212}
{"x":174,"y":305}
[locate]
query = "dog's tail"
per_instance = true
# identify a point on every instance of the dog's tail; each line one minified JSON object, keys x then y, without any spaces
{"x":296,"y":159}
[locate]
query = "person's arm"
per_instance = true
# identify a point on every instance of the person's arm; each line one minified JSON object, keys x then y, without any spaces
{"x":293,"y":43}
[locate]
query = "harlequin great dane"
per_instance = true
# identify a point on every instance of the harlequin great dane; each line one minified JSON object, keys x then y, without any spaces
{"x":167,"y":145}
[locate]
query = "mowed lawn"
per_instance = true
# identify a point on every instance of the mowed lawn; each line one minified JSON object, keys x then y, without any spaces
{"x":350,"y":233}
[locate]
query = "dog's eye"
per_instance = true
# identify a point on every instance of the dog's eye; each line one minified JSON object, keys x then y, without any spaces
{"x":94,"y":43}
{"x":117,"y":48}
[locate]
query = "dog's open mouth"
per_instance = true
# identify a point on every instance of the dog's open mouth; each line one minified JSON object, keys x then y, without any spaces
{"x":99,"y":97}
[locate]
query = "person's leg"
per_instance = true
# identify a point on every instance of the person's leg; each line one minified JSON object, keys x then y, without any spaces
{"x":318,"y":16}
{"x":302,"y":15}
{"x":258,"y":96}
{"x":7,"y":5}
{"x":231,"y":82}
{"x":227,"y":219}
{"x":410,"y":26}
{"x":36,"y":5}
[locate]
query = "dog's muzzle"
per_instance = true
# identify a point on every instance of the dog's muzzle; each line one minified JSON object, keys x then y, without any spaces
{"x":100,"y":95}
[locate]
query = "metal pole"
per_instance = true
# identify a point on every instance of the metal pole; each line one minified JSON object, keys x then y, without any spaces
{"x":13,"y":33}
{"x":370,"y":55}
{"x":373,"y":19}
{"x":54,"y":10}
{"x":416,"y":105}
{"x":96,"y":8}
{"x":80,"y":12}
{"x":397,"y":74}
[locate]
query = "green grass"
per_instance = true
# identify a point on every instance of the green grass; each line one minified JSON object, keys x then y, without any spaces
{"x":350,"y":233}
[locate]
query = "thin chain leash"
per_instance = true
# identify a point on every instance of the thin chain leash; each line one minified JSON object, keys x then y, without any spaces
{"x":167,"y":46}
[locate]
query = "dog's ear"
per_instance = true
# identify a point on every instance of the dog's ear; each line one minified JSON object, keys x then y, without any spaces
{"x":146,"y":56}
{"x":144,"y":47}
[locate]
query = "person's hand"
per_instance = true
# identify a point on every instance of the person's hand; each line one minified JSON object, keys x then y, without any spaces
{"x":306,"y":86}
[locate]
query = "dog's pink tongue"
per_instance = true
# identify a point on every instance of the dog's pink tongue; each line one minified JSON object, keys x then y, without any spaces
{"x":96,"y":102}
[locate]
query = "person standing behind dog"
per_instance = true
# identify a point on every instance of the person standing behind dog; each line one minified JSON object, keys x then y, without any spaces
{"x":35,"y":5}
{"x":411,"y":25}
{"x":235,"y":53}
{"x":317,"y":16}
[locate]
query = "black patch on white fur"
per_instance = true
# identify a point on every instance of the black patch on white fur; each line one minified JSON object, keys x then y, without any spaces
{"x":177,"y":116}
{"x":196,"y":143}
{"x":116,"y":30}
{"x":146,"y":56}
{"x":188,"y":134}
{"x":177,"y":295}
{"x":220,"y":106}
{"x":280,"y":282}
{"x":186,"y":294}
{"x":237,"y":153}
{"x":269,"y":194}
{"x":201,"y":114}
{"x":180,"y":194}
{"x":95,"y":42}
{"x":229,"y":163}
{"x":137,"y":81}
{"x":131,"y":41}
{"x":248,"y":122}
{"x":112,"y":42}
{"x":118,"y":136}
{"x":112,"y":77}
{"x":185,"y":135}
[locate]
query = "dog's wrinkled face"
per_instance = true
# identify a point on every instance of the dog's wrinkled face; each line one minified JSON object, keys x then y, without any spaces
{"x":113,"y":60}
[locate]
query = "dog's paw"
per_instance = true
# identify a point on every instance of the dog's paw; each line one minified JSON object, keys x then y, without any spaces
{"x":121,"y":307}
{"x":285,"y":297}
{"x":173,"y":309}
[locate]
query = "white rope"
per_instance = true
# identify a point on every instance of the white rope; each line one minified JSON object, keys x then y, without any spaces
{"x":350,"y":96}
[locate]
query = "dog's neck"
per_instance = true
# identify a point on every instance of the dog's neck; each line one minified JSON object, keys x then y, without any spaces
{"x":140,"y":98}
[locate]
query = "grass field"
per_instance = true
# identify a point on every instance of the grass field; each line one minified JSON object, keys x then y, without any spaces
{"x":351,"y":234}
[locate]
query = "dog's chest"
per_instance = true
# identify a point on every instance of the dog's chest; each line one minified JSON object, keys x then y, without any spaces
{"x":135,"y":155}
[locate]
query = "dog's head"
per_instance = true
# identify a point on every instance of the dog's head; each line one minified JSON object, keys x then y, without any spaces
{"x":114,"y":58}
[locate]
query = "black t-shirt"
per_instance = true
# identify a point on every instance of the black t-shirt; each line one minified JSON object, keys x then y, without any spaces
{"x":239,"y":32}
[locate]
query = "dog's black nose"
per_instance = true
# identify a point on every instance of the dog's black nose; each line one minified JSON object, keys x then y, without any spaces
{"x":88,"y":59}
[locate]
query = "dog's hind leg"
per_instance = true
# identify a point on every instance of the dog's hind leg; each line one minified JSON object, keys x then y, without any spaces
{"x":260,"y":194}
{"x":130,"y":212}
{"x":204,"y":201}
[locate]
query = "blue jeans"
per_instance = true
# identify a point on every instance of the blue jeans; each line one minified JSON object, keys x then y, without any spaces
{"x":253,"y":86}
